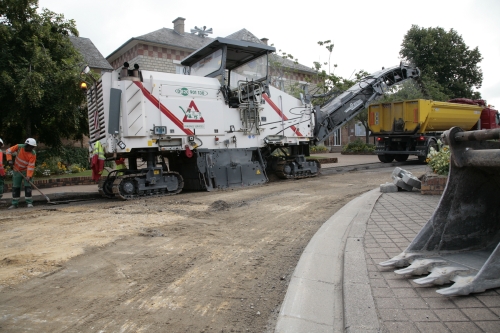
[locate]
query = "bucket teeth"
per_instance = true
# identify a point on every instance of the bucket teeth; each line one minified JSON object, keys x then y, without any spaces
{"x":401,"y":260}
{"x":441,"y":275}
{"x":464,"y":285}
{"x":420,"y":266}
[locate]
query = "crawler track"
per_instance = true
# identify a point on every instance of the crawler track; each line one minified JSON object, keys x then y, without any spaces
{"x":126,"y":187}
{"x":280,"y":171}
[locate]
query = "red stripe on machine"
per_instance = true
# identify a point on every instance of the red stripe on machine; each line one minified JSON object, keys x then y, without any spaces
{"x":278,"y":111}
{"x":163,"y":109}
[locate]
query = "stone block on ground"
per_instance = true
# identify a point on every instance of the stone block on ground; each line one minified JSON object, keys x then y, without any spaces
{"x":396,"y":173}
{"x":388,"y":188}
{"x":411,"y":180}
{"x":402,"y":185}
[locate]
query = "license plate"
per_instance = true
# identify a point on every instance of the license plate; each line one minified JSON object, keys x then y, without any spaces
{"x":157,"y":172}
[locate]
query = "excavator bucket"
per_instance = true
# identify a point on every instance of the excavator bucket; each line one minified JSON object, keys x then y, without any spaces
{"x":460,"y":242}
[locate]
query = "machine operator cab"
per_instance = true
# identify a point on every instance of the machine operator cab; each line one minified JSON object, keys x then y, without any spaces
{"x":240,"y":66}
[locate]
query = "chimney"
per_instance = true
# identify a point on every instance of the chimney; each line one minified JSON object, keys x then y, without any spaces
{"x":264,"y":40}
{"x":179,"y":25}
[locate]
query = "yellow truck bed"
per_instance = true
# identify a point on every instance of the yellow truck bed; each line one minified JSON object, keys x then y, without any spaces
{"x":421,"y":116}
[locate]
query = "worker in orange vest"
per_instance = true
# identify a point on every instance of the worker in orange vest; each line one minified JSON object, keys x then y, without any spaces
{"x":2,"y":170}
{"x":25,"y":164}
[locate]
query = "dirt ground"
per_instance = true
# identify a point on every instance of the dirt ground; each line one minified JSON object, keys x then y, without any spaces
{"x":194,"y":262}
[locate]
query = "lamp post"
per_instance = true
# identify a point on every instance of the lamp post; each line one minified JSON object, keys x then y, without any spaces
{"x":83,"y":85}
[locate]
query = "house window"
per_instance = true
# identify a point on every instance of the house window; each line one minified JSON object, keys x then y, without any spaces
{"x":337,"y":137}
{"x":304,"y":86}
{"x":359,"y":129}
{"x":278,"y":82}
{"x":179,"y":69}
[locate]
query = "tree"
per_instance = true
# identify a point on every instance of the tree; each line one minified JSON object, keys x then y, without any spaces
{"x":449,"y":68}
{"x":39,"y":75}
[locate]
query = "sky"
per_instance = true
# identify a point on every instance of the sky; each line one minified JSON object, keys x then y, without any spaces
{"x":367,"y":34}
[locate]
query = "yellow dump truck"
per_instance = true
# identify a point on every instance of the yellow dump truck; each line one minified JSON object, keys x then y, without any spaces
{"x":411,"y":127}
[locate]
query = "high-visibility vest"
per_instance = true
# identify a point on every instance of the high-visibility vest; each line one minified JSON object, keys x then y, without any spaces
{"x":97,"y":162}
{"x":25,"y":161}
{"x":120,"y":164}
{"x":99,"y":150}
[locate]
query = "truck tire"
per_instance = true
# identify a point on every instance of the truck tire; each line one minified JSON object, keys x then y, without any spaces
{"x":387,"y":158}
{"x":432,"y":144}
{"x":401,"y":158}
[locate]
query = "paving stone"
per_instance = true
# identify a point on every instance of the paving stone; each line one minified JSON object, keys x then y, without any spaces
{"x":381,"y":256}
{"x":496,"y":311}
{"x":450,"y":315}
{"x":463,"y":327}
{"x":374,"y":275}
{"x":400,"y":327}
{"x":390,"y":275}
{"x":383,"y":292}
{"x":489,"y":292}
{"x":387,"y":303}
{"x":477,"y":314}
{"x":467,"y":302}
{"x":421,"y":315}
{"x":434,"y":327}
{"x":393,"y":315}
{"x":413,"y":303}
{"x":404,"y":292}
{"x":374,"y":250}
{"x":427,"y":292}
{"x":399,"y":283}
{"x":490,"y":301}
{"x":489,"y":326}
{"x":375,"y":283}
{"x":439,"y":303}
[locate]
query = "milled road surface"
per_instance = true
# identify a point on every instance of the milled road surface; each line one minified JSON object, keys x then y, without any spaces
{"x":194,"y":262}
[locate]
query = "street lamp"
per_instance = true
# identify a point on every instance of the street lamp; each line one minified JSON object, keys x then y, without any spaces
{"x":83,"y":85}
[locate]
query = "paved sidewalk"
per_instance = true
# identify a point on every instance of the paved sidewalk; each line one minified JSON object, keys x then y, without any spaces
{"x":340,"y":267}
{"x":402,"y":305}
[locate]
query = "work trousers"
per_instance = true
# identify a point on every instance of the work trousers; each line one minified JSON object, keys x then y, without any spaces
{"x":17,"y":180}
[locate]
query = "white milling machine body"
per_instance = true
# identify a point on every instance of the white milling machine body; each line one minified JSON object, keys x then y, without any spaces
{"x":220,"y":126}
{"x":191,"y":131}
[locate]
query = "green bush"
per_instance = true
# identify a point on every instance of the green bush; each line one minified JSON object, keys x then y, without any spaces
{"x":66,"y":155}
{"x":318,"y":149}
{"x":358,"y":146}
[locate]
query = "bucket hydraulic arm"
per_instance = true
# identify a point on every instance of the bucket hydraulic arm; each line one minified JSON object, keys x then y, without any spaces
{"x":339,"y":110}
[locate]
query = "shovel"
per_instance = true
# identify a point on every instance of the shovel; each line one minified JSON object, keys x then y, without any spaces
{"x":46,"y":197}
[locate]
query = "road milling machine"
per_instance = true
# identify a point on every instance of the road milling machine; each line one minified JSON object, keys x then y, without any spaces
{"x":221,"y":125}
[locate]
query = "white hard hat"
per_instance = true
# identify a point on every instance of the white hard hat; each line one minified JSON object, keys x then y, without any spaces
{"x":1,"y":142}
{"x":31,"y":142}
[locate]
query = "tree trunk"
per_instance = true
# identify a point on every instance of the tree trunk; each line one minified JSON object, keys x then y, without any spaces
{"x":28,"y":127}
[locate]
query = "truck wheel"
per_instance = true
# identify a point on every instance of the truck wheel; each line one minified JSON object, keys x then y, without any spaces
{"x":387,"y":158}
{"x":432,"y":144}
{"x":401,"y":158}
